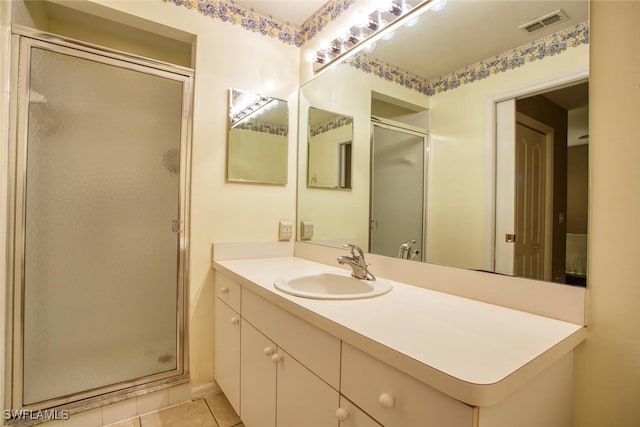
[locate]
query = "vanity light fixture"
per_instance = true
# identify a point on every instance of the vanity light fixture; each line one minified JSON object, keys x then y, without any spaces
{"x":368,"y":28}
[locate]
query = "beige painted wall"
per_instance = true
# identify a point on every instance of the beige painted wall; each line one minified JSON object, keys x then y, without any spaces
{"x":225,"y":56}
{"x":607,"y":373}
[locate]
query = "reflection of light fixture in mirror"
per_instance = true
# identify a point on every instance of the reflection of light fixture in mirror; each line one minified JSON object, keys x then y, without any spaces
{"x":369,"y":47}
{"x":389,"y":36}
{"x":246,"y":104}
{"x":368,"y":28}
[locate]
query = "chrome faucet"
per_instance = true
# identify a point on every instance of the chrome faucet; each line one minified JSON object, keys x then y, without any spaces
{"x":406,"y":252}
{"x":357,"y":263}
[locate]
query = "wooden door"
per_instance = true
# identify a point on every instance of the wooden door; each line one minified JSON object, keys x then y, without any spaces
{"x":530,"y":205}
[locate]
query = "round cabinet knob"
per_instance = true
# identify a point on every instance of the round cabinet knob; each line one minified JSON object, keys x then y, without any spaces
{"x":224,"y":290}
{"x":387,"y":401}
{"x":269,"y":351}
{"x":342,"y":414}
{"x":234,"y":320}
{"x":276,"y":358}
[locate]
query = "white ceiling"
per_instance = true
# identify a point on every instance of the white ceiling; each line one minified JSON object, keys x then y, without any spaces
{"x":292,"y":11}
{"x":468,"y":31}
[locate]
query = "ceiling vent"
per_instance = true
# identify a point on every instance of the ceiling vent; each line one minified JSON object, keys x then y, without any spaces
{"x":544,"y":21}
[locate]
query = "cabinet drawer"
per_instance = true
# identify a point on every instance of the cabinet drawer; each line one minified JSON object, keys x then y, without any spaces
{"x":228,"y":291}
{"x":313,"y":347}
{"x":396,"y":399}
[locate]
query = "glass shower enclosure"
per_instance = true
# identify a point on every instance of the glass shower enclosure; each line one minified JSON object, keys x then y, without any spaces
{"x":100,"y":161}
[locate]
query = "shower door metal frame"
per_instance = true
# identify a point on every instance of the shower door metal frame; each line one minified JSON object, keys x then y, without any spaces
{"x":23,"y":40}
{"x":411,"y":130}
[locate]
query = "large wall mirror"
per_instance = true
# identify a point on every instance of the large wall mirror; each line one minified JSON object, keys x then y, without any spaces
{"x":257,"y":138}
{"x":496,"y":93}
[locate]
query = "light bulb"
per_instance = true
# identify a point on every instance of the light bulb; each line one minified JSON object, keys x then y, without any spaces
{"x":439,"y":5}
{"x":384,"y":5}
{"x":360,"y":18}
{"x":324,"y":44}
{"x":369,"y":47}
{"x":413,"y":22}
{"x":310,"y":56}
{"x":389,"y":35}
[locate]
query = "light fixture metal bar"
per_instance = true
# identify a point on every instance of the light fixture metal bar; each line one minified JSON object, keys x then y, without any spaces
{"x":323,"y":63}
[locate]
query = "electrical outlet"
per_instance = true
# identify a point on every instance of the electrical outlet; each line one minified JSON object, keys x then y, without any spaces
{"x":306,"y":230}
{"x":285,"y":230}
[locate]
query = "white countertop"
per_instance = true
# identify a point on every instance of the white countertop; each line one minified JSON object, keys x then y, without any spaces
{"x":473,"y":351}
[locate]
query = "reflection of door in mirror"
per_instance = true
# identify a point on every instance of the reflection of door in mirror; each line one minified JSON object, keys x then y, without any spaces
{"x":397,"y":191}
{"x":329,"y":146}
{"x":549,"y":132}
{"x":534,"y":166}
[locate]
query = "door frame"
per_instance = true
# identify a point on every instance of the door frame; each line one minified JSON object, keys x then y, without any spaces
{"x":416,"y":131}
{"x":492,"y":255}
{"x":23,"y":40}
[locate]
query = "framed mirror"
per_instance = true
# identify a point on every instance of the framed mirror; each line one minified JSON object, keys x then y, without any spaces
{"x":469,"y":90}
{"x":257,"y":138}
{"x":330,"y":145}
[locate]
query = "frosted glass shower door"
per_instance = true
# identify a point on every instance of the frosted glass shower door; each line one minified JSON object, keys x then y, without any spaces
{"x":397,"y":189}
{"x":102,"y":194}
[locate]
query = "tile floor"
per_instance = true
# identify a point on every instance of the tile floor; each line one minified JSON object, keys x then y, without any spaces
{"x":212,"y":411}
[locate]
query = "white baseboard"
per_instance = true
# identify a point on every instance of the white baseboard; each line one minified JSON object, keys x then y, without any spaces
{"x":204,"y":390}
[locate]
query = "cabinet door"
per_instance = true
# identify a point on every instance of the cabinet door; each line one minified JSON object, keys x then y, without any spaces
{"x":352,"y":416}
{"x":227,"y":352}
{"x":258,"y":379}
{"x":303,"y":398}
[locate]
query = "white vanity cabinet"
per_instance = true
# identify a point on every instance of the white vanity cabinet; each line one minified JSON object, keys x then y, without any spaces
{"x":227,"y":338}
{"x":279,"y":370}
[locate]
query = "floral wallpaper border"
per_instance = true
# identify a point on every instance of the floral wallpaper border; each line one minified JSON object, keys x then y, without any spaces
{"x":260,"y":22}
{"x":389,"y":72}
{"x":514,"y":58}
{"x":260,"y":127}
{"x":336,"y":123}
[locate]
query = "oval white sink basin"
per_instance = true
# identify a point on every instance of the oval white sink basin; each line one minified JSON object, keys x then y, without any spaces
{"x":332,"y":286}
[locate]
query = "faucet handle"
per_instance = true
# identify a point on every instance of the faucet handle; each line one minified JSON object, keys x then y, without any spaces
{"x":356,"y":252}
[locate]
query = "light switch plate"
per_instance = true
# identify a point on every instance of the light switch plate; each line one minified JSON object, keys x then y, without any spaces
{"x":285,"y":230}
{"x":306,"y":230}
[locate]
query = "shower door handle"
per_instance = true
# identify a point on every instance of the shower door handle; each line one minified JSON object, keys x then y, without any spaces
{"x":176,"y":226}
